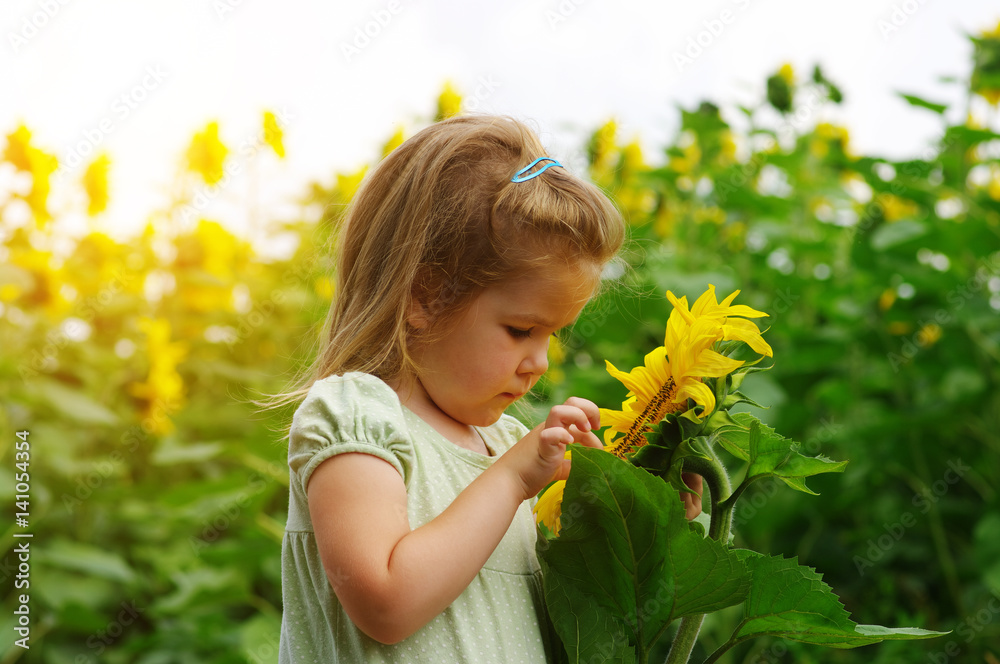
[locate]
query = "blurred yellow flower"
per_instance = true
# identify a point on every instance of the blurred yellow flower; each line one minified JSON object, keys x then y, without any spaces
{"x":19,"y":148}
{"x":690,"y":158}
{"x":601,"y":151}
{"x":710,"y":214}
{"x":898,"y":327}
{"x":556,"y":358}
{"x":993,"y":188}
{"x":207,"y":153}
{"x":40,"y":164}
{"x":786,"y":72}
{"x":449,"y":102}
{"x":632,"y":160}
{"x":896,"y":208}
{"x":273,"y":135}
{"x":929,"y":334}
{"x":324,"y":288}
{"x":43,"y":165}
{"x":206,"y":266}
{"x":348,"y":183}
{"x":95,"y":183}
{"x":45,"y":292}
{"x":394,"y":142}
{"x":986,"y":71}
{"x":665,"y":220}
{"x":97,"y":264}
{"x":886,"y":299}
{"x":827,"y":134}
{"x":163,"y":390}
{"x":727,"y":154}
{"x":9,"y":292}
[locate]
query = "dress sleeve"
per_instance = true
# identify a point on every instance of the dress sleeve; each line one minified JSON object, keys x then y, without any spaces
{"x":351,"y":413}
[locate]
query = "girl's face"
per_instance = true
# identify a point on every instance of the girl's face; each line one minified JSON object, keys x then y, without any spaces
{"x":497,"y":349}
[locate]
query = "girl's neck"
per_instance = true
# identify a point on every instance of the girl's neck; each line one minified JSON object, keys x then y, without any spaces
{"x":412,"y":395}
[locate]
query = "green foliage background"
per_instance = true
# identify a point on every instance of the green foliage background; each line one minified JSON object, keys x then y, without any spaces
{"x":158,"y":493}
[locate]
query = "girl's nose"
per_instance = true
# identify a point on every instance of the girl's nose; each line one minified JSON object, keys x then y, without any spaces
{"x":537,"y":361}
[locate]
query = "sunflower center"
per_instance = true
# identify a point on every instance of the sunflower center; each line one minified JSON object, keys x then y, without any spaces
{"x":661,"y":404}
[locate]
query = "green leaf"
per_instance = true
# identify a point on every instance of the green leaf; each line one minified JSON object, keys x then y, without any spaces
{"x":627,"y":563}
{"x":74,"y":404}
{"x":772,"y":455}
{"x":887,"y":236}
{"x":792,"y":602}
{"x":923,"y":103}
{"x":734,"y":398}
{"x":171,"y":451}
{"x":85,"y":558}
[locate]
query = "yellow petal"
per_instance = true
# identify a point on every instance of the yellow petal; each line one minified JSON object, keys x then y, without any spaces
{"x":548,"y":509}
{"x":711,"y":364}
{"x":739,"y":329}
{"x":699,"y":393}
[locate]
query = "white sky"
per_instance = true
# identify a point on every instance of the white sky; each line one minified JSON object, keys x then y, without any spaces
{"x":566,"y":65}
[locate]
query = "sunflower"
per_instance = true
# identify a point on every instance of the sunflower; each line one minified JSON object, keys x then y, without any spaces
{"x":671,"y":375}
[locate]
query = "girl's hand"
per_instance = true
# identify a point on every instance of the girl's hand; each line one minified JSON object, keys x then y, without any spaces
{"x":692,"y":501}
{"x":539,"y":457}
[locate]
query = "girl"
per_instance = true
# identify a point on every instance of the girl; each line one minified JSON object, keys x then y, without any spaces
{"x":410,"y":536}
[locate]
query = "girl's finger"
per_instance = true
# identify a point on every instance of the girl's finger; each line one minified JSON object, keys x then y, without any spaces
{"x":589,"y":408}
{"x":556,"y":437}
{"x":587,"y":438}
{"x":567,"y":416}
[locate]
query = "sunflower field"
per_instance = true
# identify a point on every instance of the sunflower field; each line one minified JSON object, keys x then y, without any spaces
{"x":155,"y":490}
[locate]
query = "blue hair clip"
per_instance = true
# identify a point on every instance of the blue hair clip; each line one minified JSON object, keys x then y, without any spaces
{"x":518,"y":176}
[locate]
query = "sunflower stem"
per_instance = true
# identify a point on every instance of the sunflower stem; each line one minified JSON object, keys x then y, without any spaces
{"x":720,"y":488}
{"x":686,"y":637}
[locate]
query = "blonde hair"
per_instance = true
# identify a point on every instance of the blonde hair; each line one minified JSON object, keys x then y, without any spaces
{"x":439,"y":220}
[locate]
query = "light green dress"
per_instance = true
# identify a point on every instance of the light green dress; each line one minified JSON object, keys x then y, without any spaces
{"x":499,"y":618}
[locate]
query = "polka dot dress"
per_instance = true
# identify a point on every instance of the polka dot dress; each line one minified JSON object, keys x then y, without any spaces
{"x":498,"y":618}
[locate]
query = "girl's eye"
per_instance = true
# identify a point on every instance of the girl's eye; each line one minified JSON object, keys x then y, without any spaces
{"x":518,"y":333}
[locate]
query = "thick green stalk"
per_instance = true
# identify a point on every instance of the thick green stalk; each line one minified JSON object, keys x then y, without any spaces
{"x":719,"y":488}
{"x":684,"y":640}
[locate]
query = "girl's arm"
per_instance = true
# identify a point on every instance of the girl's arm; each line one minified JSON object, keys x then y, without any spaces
{"x":392,"y":580}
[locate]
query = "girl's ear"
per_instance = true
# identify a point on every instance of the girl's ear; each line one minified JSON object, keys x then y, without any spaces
{"x":417,"y":316}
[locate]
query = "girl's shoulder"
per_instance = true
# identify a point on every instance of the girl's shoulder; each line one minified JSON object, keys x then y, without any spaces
{"x":351,"y":406}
